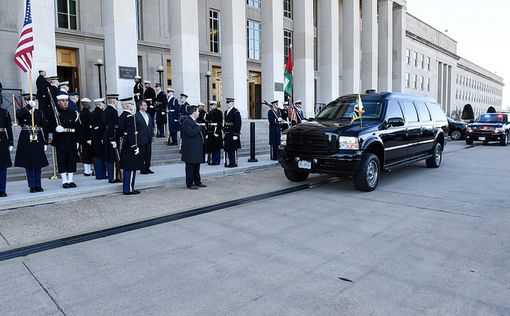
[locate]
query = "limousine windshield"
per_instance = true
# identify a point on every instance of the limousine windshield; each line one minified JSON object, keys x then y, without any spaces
{"x":343,"y":110}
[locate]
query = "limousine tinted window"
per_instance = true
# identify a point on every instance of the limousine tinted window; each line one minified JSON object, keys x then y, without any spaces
{"x":393,"y":110}
{"x":423,"y":112}
{"x":344,"y":109}
{"x":436,"y":112}
{"x":410,"y":112}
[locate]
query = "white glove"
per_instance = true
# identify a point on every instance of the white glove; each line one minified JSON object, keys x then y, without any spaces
{"x":11,"y":148}
{"x":216,"y":135}
{"x":45,"y":147}
{"x":235,"y":138}
{"x":77,"y":146}
{"x":280,"y":119}
{"x":137,"y":151}
{"x":59,"y":129}
{"x":89,"y":142}
{"x":114,"y":144}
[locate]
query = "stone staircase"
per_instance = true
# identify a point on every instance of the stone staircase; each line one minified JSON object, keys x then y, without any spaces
{"x":161,"y":153}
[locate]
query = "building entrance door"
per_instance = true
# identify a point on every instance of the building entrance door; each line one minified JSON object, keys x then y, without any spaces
{"x":67,"y":67}
{"x":255,"y":94}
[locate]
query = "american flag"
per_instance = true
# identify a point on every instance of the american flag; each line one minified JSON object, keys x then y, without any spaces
{"x":23,"y":55}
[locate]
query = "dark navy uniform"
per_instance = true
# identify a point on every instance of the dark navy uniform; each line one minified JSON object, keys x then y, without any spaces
{"x":30,"y":153}
{"x":130,"y":158}
{"x":161,"y":113}
{"x":173,"y":120}
{"x":6,"y":141}
{"x":85,"y":137}
{"x":110,"y":122}
{"x":138,"y":91}
{"x":149,"y":96}
{"x":145,"y":138}
{"x":42,"y":94}
{"x":97,"y":132}
{"x":232,"y":135}
{"x":214,"y":142}
{"x":275,"y":132}
{"x":66,"y":142}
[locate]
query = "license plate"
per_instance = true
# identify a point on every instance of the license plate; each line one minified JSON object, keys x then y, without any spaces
{"x":481,"y":138}
{"x":303,"y":164}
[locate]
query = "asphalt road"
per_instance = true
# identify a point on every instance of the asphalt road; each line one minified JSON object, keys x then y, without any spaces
{"x":426,"y":242}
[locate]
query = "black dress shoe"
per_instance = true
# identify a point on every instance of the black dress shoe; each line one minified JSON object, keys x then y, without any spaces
{"x":201,"y":185}
{"x":3,"y":194}
{"x":192,"y":187}
{"x":87,"y":174}
{"x":39,"y":189}
{"x":132,"y":192}
{"x":150,"y":171}
{"x":144,"y":172}
{"x":115,"y":181}
{"x":72,"y":185}
{"x":33,"y":190}
{"x":215,"y":164}
{"x":65,"y":185}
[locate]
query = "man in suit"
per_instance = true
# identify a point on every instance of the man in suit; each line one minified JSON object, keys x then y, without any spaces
{"x":138,"y":89}
{"x":130,"y":159}
{"x":214,"y":133}
{"x":145,"y":137}
{"x":173,"y":109}
{"x":110,"y":123}
{"x":161,"y":101}
{"x":193,"y":139}
{"x":275,"y":129}
{"x":232,"y":133}
{"x":149,"y":95}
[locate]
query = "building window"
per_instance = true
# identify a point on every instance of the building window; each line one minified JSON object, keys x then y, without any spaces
{"x":253,"y":3}
{"x":428,"y":84}
{"x":408,"y":78}
{"x":214,"y":31}
{"x":287,"y":42}
{"x":428,"y":63}
{"x":253,"y":30}
{"x":66,"y":14}
{"x":408,"y":56}
{"x":287,"y":8}
{"x":422,"y":61}
{"x":415,"y":59}
{"x":139,"y":15}
{"x":422,"y":83}
{"x":415,"y":82}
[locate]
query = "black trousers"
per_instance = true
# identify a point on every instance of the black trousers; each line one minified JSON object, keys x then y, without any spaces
{"x":66,"y":161}
{"x":193,"y":174}
{"x":146,"y":152}
{"x":274,"y":152}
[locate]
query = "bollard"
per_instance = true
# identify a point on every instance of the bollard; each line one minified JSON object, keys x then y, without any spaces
{"x":252,"y":143}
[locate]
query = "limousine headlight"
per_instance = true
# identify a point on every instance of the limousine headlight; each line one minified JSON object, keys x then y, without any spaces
{"x":283,"y":140}
{"x":351,"y":143}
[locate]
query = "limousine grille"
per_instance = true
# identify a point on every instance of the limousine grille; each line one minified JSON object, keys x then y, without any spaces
{"x":312,"y":143}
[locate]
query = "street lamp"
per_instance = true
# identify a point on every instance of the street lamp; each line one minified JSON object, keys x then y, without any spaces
{"x":208,"y":77}
{"x":99,"y":63}
{"x":160,"y":71}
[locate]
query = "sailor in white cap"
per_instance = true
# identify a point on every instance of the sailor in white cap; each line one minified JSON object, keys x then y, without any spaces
{"x":97,"y":137}
{"x":138,"y":89}
{"x":85,"y":136}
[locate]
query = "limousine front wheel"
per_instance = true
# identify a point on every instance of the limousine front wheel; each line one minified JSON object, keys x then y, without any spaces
{"x":367,"y":177}
{"x":437,"y":157}
{"x":295,"y":176}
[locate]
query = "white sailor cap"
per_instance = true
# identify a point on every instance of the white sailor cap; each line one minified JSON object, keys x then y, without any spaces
{"x":87,"y":100}
{"x":212,"y":102}
{"x":298,"y":102}
{"x":98,"y":100}
{"x":62,"y":96}
{"x":64,"y":83}
{"x":147,"y":82}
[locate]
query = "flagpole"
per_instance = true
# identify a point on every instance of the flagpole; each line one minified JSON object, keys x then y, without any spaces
{"x":33,"y":137}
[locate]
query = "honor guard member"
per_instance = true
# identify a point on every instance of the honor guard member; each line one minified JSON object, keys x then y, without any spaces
{"x":149,"y":96}
{"x":173,"y":108}
{"x":138,"y":89}
{"x":32,"y":144}
{"x":65,"y":140}
{"x":85,"y":136}
{"x":54,"y":90}
{"x":214,"y":142}
{"x":284,"y":114}
{"x":275,"y":129}
{"x":193,"y":139}
{"x":201,"y":114}
{"x":183,"y":110}
{"x":42,"y":91}
{"x":299,"y":111}
{"x":145,"y":137}
{"x":161,"y":101}
{"x":232,"y":133}
{"x":111,"y":154}
{"x":6,"y":146}
{"x":73,"y":101}
{"x":97,"y":132}
{"x":64,"y":86}
{"x":130,"y":158}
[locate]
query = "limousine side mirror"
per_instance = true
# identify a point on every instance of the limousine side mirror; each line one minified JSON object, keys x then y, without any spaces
{"x":396,"y":121}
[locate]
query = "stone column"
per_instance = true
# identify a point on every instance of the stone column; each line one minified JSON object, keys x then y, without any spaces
{"x":45,"y":51}
{"x":440,"y":83}
{"x":233,"y":53}
{"x":272,"y":50}
{"x":399,"y":34}
{"x":369,"y":45}
{"x":184,"y":46}
{"x":329,"y":45}
{"x":302,"y":51}
{"x":385,"y":45}
{"x":444,"y":98}
{"x":120,"y":44}
{"x":450,"y":86}
{"x":351,"y":47}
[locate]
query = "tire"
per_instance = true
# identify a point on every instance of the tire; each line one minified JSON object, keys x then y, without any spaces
{"x":295,"y":176}
{"x":456,"y":135}
{"x":504,"y":141}
{"x":437,"y":157}
{"x":367,"y":177}
{"x":469,"y":142}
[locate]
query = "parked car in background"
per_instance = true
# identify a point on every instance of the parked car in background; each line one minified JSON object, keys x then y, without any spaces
{"x":489,"y":127}
{"x":456,"y":129}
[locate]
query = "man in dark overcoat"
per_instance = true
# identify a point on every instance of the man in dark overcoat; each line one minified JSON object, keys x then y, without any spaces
{"x":193,"y":139}
{"x":232,"y":129}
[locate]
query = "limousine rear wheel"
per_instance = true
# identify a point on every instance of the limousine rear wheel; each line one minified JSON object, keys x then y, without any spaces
{"x":295,"y":176}
{"x":437,"y":157}
{"x":367,"y":177}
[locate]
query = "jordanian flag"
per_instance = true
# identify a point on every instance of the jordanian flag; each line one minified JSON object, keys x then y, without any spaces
{"x":288,"y":74}
{"x":358,"y":110}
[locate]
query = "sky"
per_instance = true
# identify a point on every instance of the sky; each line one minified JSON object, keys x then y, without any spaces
{"x":480,"y":27}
